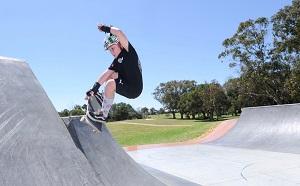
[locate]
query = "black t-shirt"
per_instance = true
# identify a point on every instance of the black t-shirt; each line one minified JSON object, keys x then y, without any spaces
{"x":127,"y":65}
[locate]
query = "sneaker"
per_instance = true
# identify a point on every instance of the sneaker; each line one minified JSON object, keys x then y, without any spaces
{"x":97,"y":117}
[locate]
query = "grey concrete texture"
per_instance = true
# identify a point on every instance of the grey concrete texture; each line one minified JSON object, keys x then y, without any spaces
{"x":111,"y":163}
{"x":68,"y":119}
{"x":262,"y":149}
{"x":213,"y":165}
{"x":169,"y":179}
{"x":35,"y":147}
{"x":272,"y":128}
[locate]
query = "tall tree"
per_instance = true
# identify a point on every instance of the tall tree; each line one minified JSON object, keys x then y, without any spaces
{"x":263,"y":74}
{"x":168,"y":94}
{"x":286,"y":28}
{"x":122,"y":111}
{"x":64,"y":113}
{"x":184,"y":105}
{"x":214,"y":99}
{"x":145,"y":112}
{"x":77,"y":110}
{"x":191,"y":103}
{"x":233,"y":91}
{"x":153,"y":111}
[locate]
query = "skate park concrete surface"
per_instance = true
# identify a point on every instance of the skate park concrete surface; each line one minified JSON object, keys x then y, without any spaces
{"x":37,"y":147}
{"x":263,"y":148}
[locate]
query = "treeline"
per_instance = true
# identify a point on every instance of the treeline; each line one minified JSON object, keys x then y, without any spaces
{"x":195,"y":101}
{"x":118,"y":112}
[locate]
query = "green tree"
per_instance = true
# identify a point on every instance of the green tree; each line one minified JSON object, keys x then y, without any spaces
{"x":77,"y":110}
{"x":191,"y":103}
{"x":64,"y":113}
{"x":232,"y":90}
{"x":196,"y":102}
{"x":286,"y":27}
{"x":168,"y":94}
{"x":122,"y":111}
{"x":214,"y":99}
{"x":263,"y":73}
{"x":145,"y":112}
{"x":184,"y":105}
{"x":153,"y":111}
{"x":292,"y":85}
{"x":161,"y":111}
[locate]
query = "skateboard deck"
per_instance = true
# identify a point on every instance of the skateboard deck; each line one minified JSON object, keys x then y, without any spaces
{"x":94,"y":104}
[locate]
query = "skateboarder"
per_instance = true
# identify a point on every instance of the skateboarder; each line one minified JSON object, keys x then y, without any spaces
{"x":123,"y":76}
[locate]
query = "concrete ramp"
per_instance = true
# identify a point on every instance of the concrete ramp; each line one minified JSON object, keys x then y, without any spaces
{"x":272,"y":128}
{"x":35,"y":146}
{"x":232,"y":159}
{"x":111,"y":163}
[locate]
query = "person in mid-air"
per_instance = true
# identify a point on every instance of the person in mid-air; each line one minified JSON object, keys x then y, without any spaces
{"x":123,"y":76}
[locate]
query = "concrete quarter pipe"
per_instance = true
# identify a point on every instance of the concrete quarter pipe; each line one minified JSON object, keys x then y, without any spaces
{"x":262,"y":148}
{"x":272,"y":128}
{"x":37,"y":149}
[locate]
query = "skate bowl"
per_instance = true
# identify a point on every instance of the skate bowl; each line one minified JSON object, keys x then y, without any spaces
{"x":262,"y":148}
{"x":272,"y":128}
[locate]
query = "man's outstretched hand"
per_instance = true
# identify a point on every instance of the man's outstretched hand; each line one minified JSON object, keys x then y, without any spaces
{"x":93,"y":90}
{"x":99,"y":26}
{"x":104,"y":28}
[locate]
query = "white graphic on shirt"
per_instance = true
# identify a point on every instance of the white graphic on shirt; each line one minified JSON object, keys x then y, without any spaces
{"x":120,"y":60}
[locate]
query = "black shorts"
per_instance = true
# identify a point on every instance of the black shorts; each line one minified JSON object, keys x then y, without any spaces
{"x":130,"y":82}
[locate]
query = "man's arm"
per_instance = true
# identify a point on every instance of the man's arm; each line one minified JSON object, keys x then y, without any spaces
{"x":105,"y":76}
{"x":117,"y":32}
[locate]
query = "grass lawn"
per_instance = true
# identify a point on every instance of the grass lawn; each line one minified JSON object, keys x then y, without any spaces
{"x":158,"y":129}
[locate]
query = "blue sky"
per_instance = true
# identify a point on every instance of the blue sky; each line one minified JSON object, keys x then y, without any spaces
{"x":175,"y":40}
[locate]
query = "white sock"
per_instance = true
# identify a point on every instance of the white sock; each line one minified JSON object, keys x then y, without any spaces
{"x":106,"y":105}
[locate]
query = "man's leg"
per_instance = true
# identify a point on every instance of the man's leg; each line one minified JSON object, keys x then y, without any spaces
{"x":108,"y":97}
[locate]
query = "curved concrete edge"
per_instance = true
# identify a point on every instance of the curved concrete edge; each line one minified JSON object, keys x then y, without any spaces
{"x":270,"y":128}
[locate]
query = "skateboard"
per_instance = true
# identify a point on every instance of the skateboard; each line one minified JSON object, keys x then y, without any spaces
{"x":94,"y":104}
